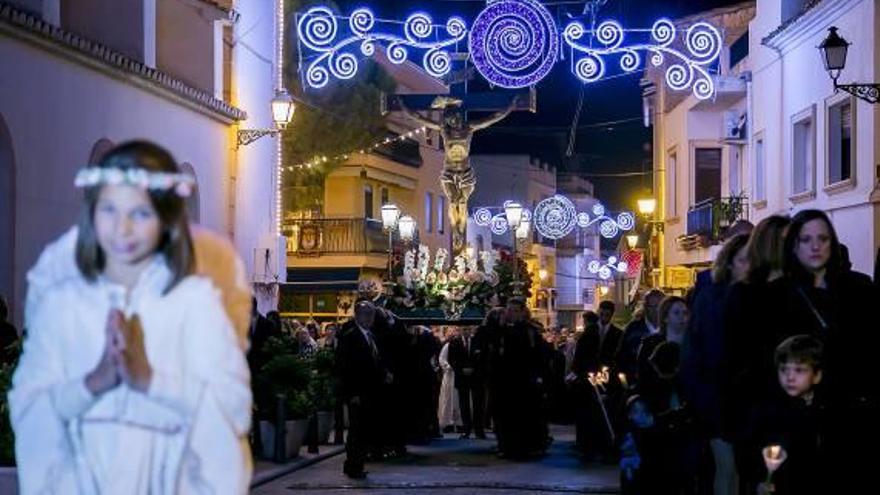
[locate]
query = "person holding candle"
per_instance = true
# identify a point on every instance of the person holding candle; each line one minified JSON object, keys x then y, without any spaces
{"x":790,"y":428}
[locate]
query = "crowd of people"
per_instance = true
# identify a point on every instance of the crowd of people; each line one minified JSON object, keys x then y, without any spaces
{"x":758,"y":380}
{"x":754,"y":381}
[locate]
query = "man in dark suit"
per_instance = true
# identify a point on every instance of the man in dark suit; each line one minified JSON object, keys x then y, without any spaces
{"x":637,"y":330}
{"x":466,"y":356}
{"x":361,"y":377}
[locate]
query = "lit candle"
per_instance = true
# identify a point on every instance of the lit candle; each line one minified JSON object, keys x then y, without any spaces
{"x":774,"y":451}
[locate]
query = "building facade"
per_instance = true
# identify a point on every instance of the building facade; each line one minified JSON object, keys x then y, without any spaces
{"x":528,"y":181}
{"x":330,"y":252}
{"x":777,"y":138}
{"x":812,"y":147}
{"x":82,"y":75}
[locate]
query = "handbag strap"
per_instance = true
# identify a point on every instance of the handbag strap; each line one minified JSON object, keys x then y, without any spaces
{"x":818,"y":316}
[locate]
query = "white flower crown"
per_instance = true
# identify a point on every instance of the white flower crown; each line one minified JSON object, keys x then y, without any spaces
{"x":181,"y":183}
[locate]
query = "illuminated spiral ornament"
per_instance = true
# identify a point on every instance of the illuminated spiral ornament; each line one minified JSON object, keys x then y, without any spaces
{"x":361,"y":21}
{"x":704,"y":42}
{"x":418,"y":26}
{"x":526,"y":215}
{"x":317,"y":28}
{"x":604,"y":273}
{"x":610,"y":34}
{"x":583,"y":220}
{"x":396,"y":52}
{"x":483,"y":217}
{"x":704,"y":88}
{"x":630,"y":61}
{"x":368,"y":48}
{"x":657,"y":59}
{"x":589,"y":68}
{"x":608,"y":229}
{"x":663,"y":32}
{"x":574,"y":31}
{"x":594,"y":266}
{"x":555,"y":217}
{"x":456,"y":27}
{"x":679,"y":77}
{"x":612,"y":260}
{"x":626,"y":221}
{"x":622,"y":266}
{"x":499,"y":225}
{"x":343,"y":65}
{"x":317,"y":76}
{"x":514,"y":43}
{"x":598,"y":209}
{"x":437,"y":62}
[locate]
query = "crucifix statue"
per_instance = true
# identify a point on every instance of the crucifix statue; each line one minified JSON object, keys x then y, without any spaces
{"x":458,"y":178}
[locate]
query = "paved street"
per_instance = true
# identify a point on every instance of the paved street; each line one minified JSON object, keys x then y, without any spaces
{"x":457,"y":467}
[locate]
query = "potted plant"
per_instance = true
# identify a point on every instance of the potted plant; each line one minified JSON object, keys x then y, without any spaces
{"x":322,"y":391}
{"x":279,"y":384}
{"x":8,"y":472}
{"x":299,"y":408}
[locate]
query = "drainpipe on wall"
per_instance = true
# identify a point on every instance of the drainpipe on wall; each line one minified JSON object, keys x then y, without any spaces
{"x":750,"y":119}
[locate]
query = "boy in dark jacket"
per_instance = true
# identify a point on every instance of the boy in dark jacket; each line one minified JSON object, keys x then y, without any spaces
{"x":794,"y":422}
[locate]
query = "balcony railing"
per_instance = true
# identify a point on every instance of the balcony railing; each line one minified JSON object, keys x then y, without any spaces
{"x":324,"y":236}
{"x":708,"y":220}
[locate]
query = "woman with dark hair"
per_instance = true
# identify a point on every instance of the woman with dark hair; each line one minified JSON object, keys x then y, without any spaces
{"x":746,"y":318}
{"x":819,"y":297}
{"x":704,"y":350}
{"x":142,"y":387}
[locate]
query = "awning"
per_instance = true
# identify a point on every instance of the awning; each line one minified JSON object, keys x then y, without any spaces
{"x":310,"y":280}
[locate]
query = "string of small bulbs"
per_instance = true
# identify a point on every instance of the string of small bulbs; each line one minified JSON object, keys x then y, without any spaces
{"x":344,"y":156}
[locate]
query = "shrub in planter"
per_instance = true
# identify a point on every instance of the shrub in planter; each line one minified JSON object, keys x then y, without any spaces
{"x":7,"y":438}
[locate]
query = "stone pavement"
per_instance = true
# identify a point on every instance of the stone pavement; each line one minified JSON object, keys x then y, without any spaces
{"x":456,"y":467}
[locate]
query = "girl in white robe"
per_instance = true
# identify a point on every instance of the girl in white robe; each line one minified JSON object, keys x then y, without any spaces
{"x":132,"y":380}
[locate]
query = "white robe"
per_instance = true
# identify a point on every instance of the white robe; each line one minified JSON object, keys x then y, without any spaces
{"x":187,"y":434}
{"x":448,"y":413}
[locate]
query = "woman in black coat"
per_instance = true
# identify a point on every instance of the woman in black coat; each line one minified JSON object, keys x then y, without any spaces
{"x":703,"y":352}
{"x":819,"y":297}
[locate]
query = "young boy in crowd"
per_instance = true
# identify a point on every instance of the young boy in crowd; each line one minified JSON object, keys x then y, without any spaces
{"x":790,"y":427}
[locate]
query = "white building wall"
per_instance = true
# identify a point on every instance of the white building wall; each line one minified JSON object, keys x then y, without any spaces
{"x":790,"y":79}
{"x":56,"y":110}
{"x":253,"y":76}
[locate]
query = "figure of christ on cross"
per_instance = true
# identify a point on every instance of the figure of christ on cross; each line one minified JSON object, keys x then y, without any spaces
{"x":458,"y":178}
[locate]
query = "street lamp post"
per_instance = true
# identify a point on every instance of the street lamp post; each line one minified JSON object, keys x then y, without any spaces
{"x":834,"y":49}
{"x":390,"y":217}
{"x":647,"y":206}
{"x":513,"y":213}
{"x":282,"y":114}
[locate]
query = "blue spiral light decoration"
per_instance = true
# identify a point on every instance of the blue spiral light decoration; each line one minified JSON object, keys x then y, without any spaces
{"x":555,"y":217}
{"x":514,"y":43}
{"x":607,"y":268}
{"x":334,"y":50}
{"x":702,"y":43}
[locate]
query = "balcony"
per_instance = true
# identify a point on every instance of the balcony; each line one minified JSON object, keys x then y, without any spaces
{"x":708,"y":221}
{"x":335,"y":236}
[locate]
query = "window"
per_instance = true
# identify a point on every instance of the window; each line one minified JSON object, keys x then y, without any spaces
{"x":803,"y":153}
{"x":368,"y":201}
{"x":707,"y":174}
{"x":429,"y":212}
{"x":672,"y":185}
{"x":384,"y":195}
{"x":441,"y":214}
{"x":840,"y":142}
{"x":734,"y":170}
{"x":760,"y":188}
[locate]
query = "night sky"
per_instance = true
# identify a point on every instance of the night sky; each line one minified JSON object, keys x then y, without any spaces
{"x":611,"y":137}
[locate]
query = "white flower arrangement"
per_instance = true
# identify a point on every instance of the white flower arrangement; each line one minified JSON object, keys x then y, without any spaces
{"x":440,"y":259}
